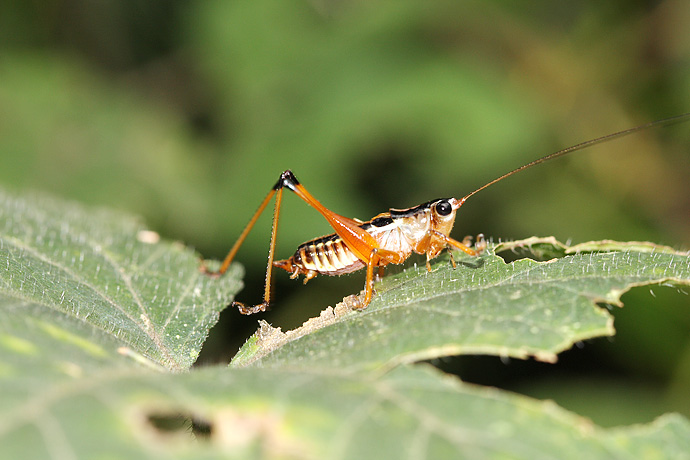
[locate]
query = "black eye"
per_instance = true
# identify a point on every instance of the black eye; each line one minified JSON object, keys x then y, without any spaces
{"x":443,"y":208}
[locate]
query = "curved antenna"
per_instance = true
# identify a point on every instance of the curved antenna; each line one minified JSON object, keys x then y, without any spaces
{"x":584,"y":145}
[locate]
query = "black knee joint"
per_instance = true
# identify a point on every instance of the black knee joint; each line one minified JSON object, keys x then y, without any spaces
{"x":287,"y":179}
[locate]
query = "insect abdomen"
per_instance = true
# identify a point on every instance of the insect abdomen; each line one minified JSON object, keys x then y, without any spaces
{"x":327,"y":255}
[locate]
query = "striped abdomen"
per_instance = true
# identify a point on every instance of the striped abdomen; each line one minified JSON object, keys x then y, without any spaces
{"x":327,"y":255}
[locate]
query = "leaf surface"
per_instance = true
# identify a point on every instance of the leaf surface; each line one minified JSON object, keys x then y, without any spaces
{"x":282,"y":413}
{"x":73,"y":282}
{"x":106,"y":270}
{"x":484,"y":306}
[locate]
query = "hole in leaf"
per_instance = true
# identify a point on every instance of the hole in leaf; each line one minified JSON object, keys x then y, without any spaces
{"x":173,"y":424}
{"x":539,"y":250}
{"x":231,"y":427}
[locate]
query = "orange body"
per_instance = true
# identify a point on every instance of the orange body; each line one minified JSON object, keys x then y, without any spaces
{"x":423,"y":229}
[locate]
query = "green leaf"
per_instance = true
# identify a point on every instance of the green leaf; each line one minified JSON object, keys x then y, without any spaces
{"x":282,"y":413}
{"x":484,"y":306}
{"x":68,"y":329}
{"x":105,"y":270}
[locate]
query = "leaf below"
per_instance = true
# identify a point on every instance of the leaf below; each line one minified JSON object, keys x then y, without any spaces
{"x":525,"y":308}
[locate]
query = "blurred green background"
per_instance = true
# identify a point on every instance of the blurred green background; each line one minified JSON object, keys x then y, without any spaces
{"x":185,"y":112}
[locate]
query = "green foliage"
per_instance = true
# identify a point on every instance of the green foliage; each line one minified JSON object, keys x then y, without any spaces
{"x":186,"y":112}
{"x":106,"y":270}
{"x":94,"y":309}
{"x":485,"y":306}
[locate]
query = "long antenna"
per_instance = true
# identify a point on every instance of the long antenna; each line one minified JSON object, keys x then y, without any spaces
{"x":583,"y":145}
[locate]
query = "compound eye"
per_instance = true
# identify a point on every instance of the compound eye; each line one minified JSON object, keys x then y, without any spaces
{"x":443,"y":208}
